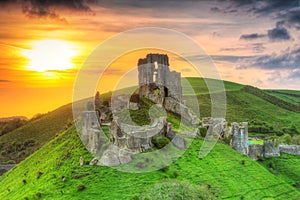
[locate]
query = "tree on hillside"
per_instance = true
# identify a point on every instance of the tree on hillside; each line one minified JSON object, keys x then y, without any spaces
{"x":97,"y":100}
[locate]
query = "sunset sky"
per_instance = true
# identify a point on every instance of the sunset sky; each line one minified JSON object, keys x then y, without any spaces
{"x":44,"y":43}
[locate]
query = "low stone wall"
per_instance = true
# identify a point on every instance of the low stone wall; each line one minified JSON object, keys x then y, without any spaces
{"x":290,"y":149}
{"x":173,"y":105}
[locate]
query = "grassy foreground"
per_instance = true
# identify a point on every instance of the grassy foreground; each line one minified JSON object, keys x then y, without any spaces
{"x":227,"y":173}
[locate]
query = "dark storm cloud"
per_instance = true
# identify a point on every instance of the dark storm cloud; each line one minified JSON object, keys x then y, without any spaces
{"x":278,"y":34}
{"x":265,"y":7}
{"x":287,"y":12}
{"x":252,"y":36}
{"x":289,"y":60}
{"x":49,"y":8}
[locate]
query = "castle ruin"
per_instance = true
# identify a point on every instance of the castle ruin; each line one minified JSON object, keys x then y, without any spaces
{"x":156,"y":81}
{"x":90,"y":131}
{"x":239,"y":142}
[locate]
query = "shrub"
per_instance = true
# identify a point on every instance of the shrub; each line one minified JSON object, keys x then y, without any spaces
{"x":39,"y":174}
{"x":276,"y":143}
{"x":271,"y":165}
{"x":29,"y":143}
{"x":227,"y":139}
{"x":81,"y":187}
{"x":160,"y":141}
{"x":164,"y":169}
{"x":38,"y":195}
{"x":202,"y":131}
{"x":296,"y":185}
{"x":175,"y":174}
{"x":11,"y":162}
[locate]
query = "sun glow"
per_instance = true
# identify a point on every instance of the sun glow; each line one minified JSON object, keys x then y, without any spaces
{"x":48,"y":55}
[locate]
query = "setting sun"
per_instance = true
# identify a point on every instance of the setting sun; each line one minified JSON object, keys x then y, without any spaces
{"x":47,"y":55}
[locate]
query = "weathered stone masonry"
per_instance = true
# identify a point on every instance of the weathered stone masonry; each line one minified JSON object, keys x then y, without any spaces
{"x":156,"y":81}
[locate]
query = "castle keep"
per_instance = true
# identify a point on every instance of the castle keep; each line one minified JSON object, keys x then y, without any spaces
{"x":156,"y":81}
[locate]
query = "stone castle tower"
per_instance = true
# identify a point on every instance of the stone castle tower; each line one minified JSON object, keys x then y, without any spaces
{"x":240,"y":137}
{"x":156,"y":81}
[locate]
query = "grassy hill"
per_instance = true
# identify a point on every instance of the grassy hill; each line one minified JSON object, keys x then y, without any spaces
{"x":249,"y":105}
{"x":242,"y":105}
{"x":225,"y":173}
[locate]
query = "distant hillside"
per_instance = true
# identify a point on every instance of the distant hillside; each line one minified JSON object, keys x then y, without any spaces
{"x":290,"y":96}
{"x":5,"y":119}
{"x":10,"y":125}
{"x":21,"y":142}
{"x":225,"y":172}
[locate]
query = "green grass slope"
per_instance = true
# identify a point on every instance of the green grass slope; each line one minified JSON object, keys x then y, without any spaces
{"x":243,"y":105}
{"x":287,"y":167}
{"x":18,"y":144}
{"x":228,"y":173}
{"x":290,"y":96}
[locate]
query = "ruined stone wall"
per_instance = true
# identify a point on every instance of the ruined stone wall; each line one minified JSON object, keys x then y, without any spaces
{"x":290,"y":149}
{"x":137,"y":139}
{"x":91,"y":131}
{"x":89,"y":120}
{"x":256,"y":151}
{"x":240,"y":137}
{"x":118,"y":103}
{"x":215,"y":124}
{"x":173,"y":105}
{"x":271,"y":148}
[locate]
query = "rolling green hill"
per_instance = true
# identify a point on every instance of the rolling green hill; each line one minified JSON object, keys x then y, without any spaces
{"x":242,"y":105}
{"x":246,"y":103}
{"x":226,"y":172}
{"x":223,"y":174}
